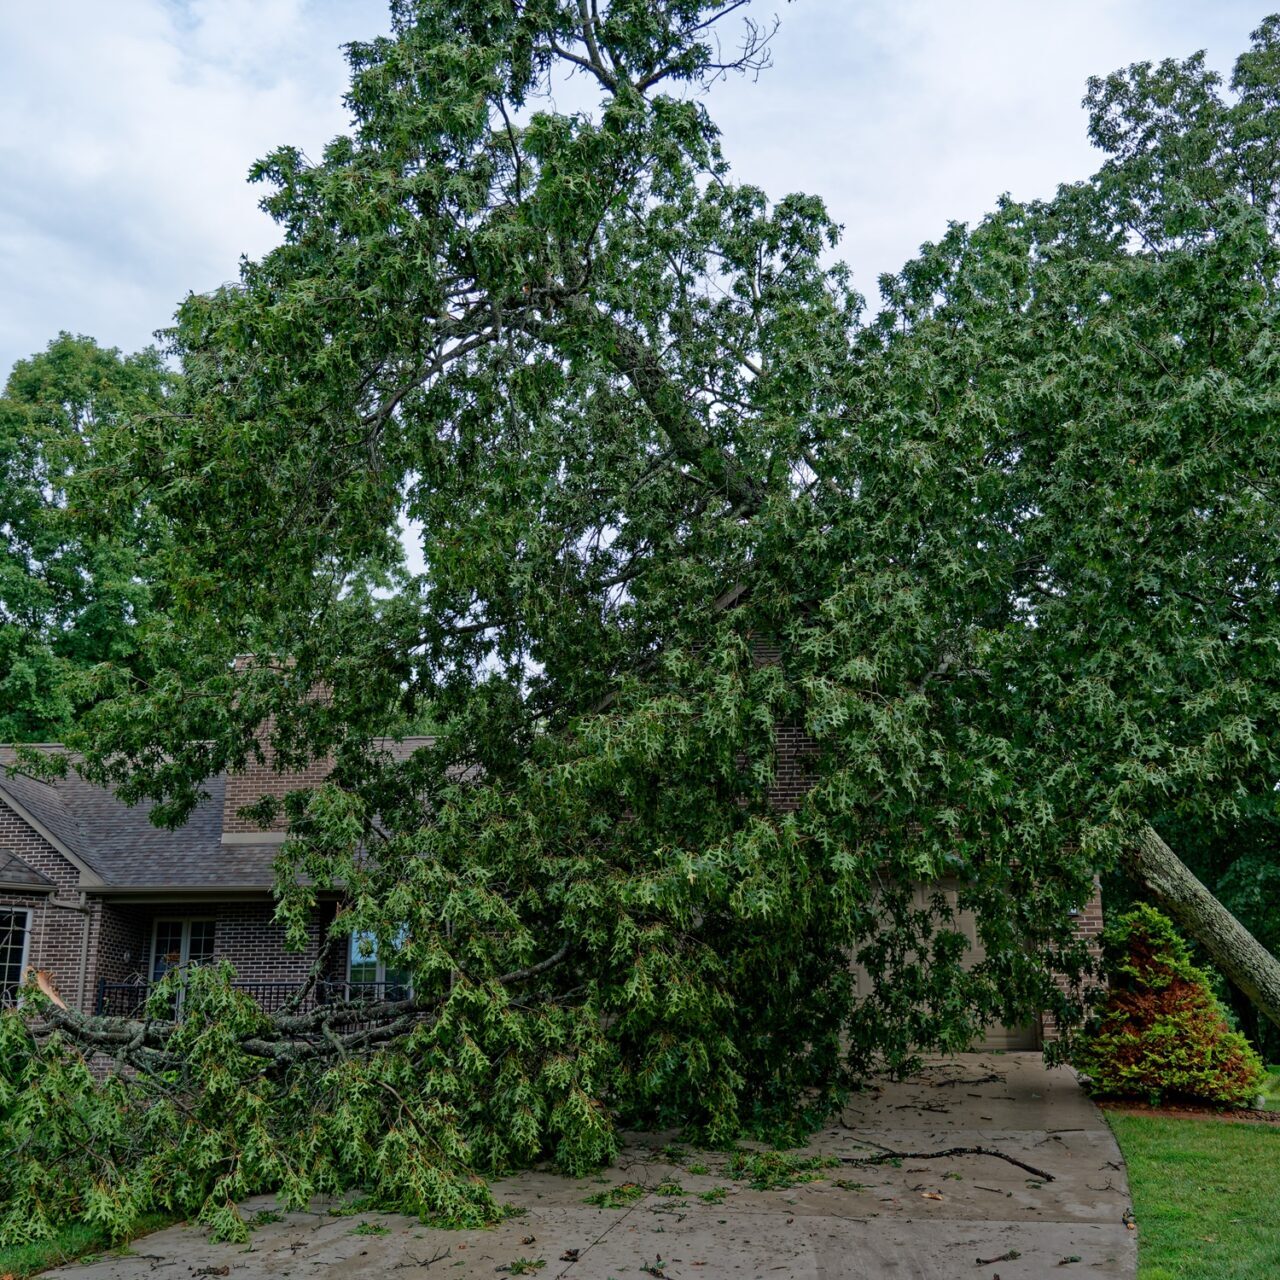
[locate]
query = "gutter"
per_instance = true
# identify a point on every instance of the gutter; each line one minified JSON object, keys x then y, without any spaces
{"x":160,"y":893}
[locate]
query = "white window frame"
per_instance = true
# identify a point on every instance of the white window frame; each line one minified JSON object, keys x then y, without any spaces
{"x":380,"y":964}
{"x":185,"y":953}
{"x":26,"y":940}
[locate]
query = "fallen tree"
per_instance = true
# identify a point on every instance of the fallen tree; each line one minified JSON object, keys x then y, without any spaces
{"x":195,"y":1115}
{"x":1232,"y":948}
{"x":1004,"y":593}
{"x":334,"y":1029}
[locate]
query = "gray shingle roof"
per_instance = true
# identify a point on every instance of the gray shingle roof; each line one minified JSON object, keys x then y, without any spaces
{"x":44,"y":802}
{"x":127,"y":851}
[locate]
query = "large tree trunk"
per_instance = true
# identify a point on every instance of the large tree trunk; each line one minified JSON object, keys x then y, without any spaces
{"x":1236,"y":952}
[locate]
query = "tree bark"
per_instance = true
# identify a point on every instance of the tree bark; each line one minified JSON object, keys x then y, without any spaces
{"x":1235,"y":951}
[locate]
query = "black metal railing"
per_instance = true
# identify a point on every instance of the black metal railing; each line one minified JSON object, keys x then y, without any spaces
{"x":129,"y":999}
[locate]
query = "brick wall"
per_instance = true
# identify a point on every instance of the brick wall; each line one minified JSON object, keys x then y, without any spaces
{"x":794,"y":751}
{"x":259,"y":780}
{"x":56,"y":932}
{"x":1089,"y":924}
{"x":246,"y":935}
{"x":122,"y":940}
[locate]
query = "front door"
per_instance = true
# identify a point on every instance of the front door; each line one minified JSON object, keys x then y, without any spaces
{"x":178,"y":942}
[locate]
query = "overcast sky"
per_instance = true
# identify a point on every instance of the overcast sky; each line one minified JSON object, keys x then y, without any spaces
{"x":129,"y":126}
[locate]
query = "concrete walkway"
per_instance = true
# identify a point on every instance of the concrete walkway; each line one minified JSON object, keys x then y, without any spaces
{"x":970,"y":1215}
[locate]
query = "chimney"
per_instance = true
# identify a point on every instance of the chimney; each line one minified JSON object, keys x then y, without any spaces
{"x":248,"y":787}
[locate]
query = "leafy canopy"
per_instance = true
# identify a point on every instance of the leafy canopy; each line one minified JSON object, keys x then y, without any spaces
{"x":72,"y":586}
{"x":1001,"y":559}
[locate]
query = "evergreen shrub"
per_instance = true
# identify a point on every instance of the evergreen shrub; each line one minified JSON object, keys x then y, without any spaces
{"x":1159,"y":1033}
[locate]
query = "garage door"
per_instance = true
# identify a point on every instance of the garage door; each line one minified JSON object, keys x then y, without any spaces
{"x":997,"y":1035}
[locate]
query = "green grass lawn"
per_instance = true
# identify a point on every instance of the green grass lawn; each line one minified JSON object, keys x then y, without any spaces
{"x":1206,"y":1194}
{"x":76,"y":1240}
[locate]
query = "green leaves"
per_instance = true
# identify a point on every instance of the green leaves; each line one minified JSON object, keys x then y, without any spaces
{"x":73,"y":586}
{"x":758,"y":636}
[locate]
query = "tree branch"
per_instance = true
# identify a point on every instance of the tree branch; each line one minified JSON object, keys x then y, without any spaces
{"x":886,"y":1155}
{"x":635,"y":360}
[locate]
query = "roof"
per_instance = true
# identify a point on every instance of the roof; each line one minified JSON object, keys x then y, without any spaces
{"x":14,"y":873}
{"x":121,"y":848}
{"x":42,"y":802}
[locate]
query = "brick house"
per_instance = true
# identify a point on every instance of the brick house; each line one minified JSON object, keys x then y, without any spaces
{"x":104,"y":902}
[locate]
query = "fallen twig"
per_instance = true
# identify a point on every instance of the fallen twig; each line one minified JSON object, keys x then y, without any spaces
{"x":887,"y":1155}
{"x":439,"y":1256}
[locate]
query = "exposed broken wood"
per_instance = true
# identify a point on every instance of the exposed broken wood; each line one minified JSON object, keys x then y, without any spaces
{"x":43,"y":981}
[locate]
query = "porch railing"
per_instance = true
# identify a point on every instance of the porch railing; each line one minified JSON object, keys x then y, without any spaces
{"x":129,"y":999}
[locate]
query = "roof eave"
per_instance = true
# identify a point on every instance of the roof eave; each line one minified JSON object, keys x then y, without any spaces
{"x":89,"y":878}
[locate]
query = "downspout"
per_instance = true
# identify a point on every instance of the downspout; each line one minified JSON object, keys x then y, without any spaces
{"x":82,"y":906}
{"x":84,"y":951}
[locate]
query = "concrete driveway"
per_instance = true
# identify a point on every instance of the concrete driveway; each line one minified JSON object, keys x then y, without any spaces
{"x":686,"y":1217}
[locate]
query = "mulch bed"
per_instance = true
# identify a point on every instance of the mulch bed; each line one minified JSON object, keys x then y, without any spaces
{"x":1190,"y":1111}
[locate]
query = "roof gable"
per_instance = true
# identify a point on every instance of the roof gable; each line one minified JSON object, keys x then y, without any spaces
{"x":40,"y":805}
{"x":16,"y":874}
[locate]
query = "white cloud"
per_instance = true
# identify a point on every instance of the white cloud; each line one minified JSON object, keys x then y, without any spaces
{"x":129,"y":127}
{"x":904,"y":114}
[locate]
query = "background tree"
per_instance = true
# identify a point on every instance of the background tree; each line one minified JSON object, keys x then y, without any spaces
{"x":71,"y":585}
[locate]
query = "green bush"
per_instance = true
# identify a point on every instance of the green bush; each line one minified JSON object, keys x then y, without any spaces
{"x":1160,"y":1033}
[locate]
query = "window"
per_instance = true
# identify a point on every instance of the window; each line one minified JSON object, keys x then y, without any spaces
{"x":369,"y":973}
{"x":180,"y":942}
{"x":15,"y":929}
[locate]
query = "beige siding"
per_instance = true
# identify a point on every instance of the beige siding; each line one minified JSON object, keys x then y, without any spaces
{"x":996,"y":1036}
